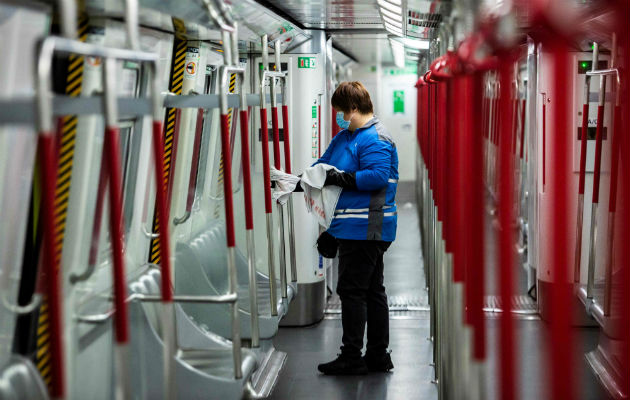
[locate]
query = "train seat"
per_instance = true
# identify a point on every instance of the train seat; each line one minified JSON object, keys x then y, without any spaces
{"x":611,"y":325}
{"x":19,"y":379}
{"x":205,"y":367}
{"x":202,"y":270}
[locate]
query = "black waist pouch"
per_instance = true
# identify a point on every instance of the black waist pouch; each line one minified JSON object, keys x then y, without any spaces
{"x":327,"y":245}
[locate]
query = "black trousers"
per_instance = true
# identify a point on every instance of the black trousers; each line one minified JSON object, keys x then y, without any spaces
{"x":363,"y":298}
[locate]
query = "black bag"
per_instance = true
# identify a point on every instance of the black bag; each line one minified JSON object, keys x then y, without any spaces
{"x":327,"y":245}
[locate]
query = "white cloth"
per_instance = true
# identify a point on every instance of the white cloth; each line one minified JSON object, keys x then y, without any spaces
{"x":285,"y":185}
{"x":319,"y":199}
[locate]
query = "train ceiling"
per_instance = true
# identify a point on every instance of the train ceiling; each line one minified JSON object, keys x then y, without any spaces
{"x":365,"y":28}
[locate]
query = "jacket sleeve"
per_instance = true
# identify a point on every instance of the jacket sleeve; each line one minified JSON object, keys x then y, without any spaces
{"x":375,"y":159}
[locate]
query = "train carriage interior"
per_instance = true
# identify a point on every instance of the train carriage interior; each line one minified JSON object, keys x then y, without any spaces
{"x":150,"y":248}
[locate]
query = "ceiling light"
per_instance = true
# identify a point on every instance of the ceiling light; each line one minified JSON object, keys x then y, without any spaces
{"x":398,"y":51}
{"x":387,"y":13}
{"x":416,"y":44}
{"x":391,"y":7}
{"x":392,"y":29}
{"x":390,"y":21}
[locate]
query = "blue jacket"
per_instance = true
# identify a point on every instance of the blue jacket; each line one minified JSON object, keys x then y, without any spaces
{"x":368,"y":213}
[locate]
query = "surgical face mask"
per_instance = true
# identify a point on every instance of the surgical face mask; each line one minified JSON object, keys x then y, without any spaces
{"x":343,"y":124}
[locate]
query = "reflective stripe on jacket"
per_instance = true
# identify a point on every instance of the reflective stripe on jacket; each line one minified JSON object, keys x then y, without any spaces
{"x":368,"y":213}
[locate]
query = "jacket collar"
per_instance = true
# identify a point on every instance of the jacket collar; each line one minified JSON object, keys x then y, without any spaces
{"x":373,"y":121}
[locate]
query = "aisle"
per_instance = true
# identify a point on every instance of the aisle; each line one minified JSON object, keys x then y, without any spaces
{"x":411,"y":351}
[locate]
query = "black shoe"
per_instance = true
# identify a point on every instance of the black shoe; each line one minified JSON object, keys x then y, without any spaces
{"x":344,"y":365}
{"x":380,"y":363}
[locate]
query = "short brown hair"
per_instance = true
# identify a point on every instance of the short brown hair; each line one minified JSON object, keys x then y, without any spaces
{"x":349,"y":95}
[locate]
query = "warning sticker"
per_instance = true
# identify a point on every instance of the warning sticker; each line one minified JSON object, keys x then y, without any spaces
{"x":191,"y":67}
{"x":192,"y":63}
{"x":93,"y":61}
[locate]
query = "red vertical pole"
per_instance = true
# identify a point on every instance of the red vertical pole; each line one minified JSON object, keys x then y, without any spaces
{"x":247,"y":180}
{"x":319,"y":130}
{"x":431,"y":152}
{"x":459,"y":131}
{"x":98,"y":213}
{"x":287,"y":144}
{"x":163,"y":213}
{"x":544,"y":142}
{"x":449,"y":166}
{"x":561,"y":341}
{"x":194,"y":165}
{"x":276,"y":138}
{"x":439,"y":124}
{"x":523,"y":103}
{"x":112,"y":154}
{"x":265,"y":158}
{"x":583,"y":142}
{"x":598,"y":152}
{"x":474,"y":201}
{"x":624,"y":16}
{"x":507,"y":375}
{"x":48,"y":162}
{"x":622,"y":23}
{"x":227,"y":180}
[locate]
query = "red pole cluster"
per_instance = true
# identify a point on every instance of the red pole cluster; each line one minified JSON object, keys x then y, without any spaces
{"x":452,"y":147}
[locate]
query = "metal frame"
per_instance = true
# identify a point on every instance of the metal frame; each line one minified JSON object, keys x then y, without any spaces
{"x":601,"y":108}
{"x":611,"y":213}
{"x":47,"y":48}
{"x":264,"y":74}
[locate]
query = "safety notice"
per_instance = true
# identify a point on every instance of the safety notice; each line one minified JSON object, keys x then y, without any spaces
{"x":192,"y":62}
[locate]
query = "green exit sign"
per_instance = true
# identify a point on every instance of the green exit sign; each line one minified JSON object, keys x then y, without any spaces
{"x":306,"y":62}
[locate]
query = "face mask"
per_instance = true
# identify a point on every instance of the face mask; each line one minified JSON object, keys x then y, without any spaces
{"x":343,"y":124}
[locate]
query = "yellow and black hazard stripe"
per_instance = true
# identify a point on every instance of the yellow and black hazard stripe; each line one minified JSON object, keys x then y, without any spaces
{"x":67,"y":140}
{"x":178,"y":62}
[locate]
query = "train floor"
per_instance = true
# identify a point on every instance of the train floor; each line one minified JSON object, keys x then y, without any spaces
{"x":409,"y":329}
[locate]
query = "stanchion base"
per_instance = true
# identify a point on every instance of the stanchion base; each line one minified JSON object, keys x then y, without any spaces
{"x":307,"y":306}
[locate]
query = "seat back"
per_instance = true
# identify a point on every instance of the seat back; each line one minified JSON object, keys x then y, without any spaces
{"x":210,"y":250}
{"x":19,"y":379}
{"x":149,"y":284}
{"x":190,"y":276}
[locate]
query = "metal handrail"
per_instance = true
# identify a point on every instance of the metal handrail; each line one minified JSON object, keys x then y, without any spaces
{"x":68,"y":11}
{"x":47,"y":48}
{"x":52,"y":45}
{"x":194,"y":168}
{"x":277,"y":165}
{"x":103,"y":317}
{"x":220,"y":198}
{"x":582,"y":172}
{"x":590,"y":283}
{"x":96,"y":229}
{"x":32,"y":305}
{"x":264,"y":74}
{"x":247,"y":196}
{"x":148,"y":234}
{"x":272,"y":76}
{"x":230,"y":68}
